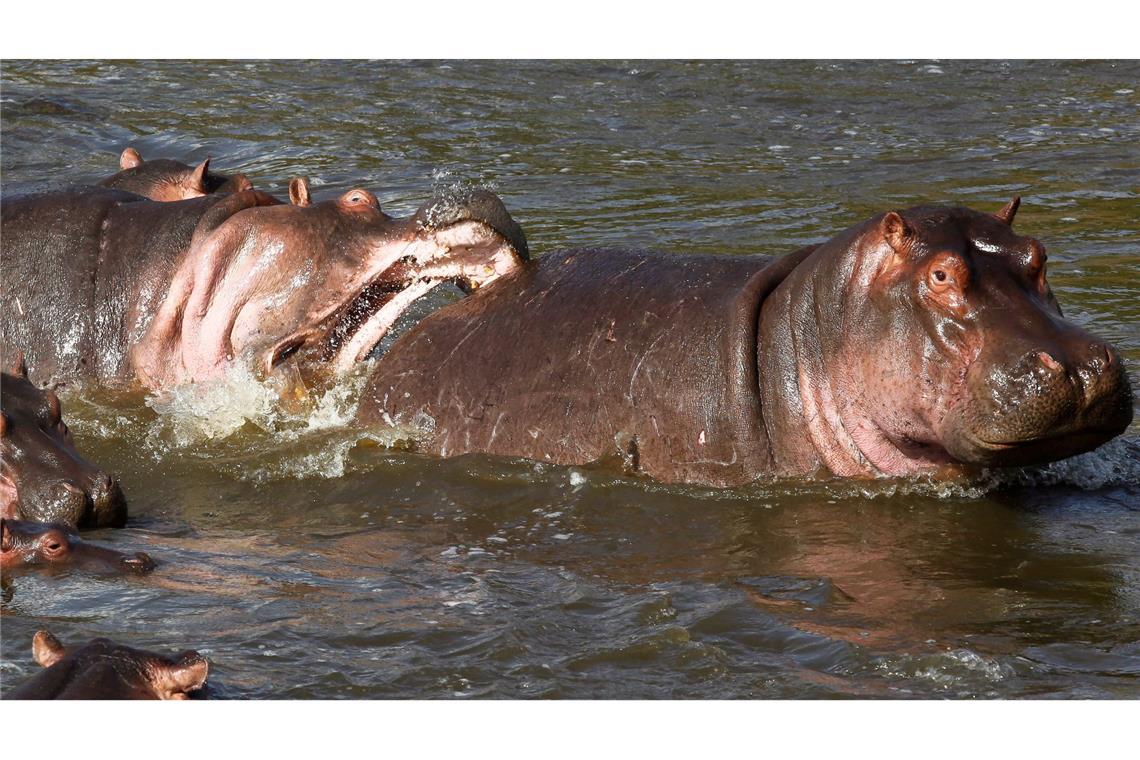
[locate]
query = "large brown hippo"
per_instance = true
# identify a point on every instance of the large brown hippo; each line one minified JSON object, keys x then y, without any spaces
{"x":918,"y":341}
{"x":42,"y":477}
{"x":103,"y":669}
{"x":108,"y":287}
{"x":163,"y":179}
{"x":35,"y":544}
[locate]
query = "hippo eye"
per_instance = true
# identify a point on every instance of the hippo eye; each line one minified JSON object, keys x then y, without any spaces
{"x":939,"y":275}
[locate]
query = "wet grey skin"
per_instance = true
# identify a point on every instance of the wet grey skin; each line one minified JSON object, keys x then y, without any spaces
{"x":43,"y":477}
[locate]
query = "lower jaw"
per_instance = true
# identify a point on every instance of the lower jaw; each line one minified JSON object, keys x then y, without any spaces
{"x":1035,"y":451}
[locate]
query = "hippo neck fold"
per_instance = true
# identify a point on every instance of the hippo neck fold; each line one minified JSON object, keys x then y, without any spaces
{"x":816,"y":412}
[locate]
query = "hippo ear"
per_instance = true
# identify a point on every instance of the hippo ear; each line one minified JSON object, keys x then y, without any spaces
{"x":187,"y":674}
{"x":129,"y":159}
{"x":19,"y":366}
{"x":46,"y":649}
{"x":299,"y":191}
{"x":896,"y":231}
{"x":1009,"y":210}
{"x":198,"y":178}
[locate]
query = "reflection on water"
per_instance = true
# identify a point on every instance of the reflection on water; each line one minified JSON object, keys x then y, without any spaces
{"x":306,"y":562}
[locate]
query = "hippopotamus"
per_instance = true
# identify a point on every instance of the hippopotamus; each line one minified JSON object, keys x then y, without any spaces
{"x":42,"y":476}
{"x":106,"y":287}
{"x":919,"y":341}
{"x":163,"y":179}
{"x":102,"y":669}
{"x":35,"y":544}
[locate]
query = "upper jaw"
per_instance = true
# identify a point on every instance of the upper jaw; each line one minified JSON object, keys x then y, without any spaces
{"x":468,"y":240}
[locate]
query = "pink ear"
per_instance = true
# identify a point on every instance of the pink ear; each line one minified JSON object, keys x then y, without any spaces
{"x":1009,"y":210}
{"x":895,"y":231}
{"x":46,"y":649}
{"x":186,"y":675}
{"x":129,"y":159}
{"x":198,"y":178}
{"x":299,"y":191}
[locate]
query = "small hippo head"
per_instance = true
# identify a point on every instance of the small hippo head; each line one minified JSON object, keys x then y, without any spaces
{"x":42,"y":476}
{"x":24,"y":544}
{"x":957,"y":350}
{"x":162,"y":179}
{"x":102,"y":669}
{"x":318,"y":284}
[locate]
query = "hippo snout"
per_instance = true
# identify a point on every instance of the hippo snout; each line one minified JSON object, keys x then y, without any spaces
{"x":140,"y":563}
{"x":1046,"y":405}
{"x":108,"y":504}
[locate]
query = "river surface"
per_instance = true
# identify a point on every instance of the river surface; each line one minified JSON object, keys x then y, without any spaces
{"x":307,"y":563}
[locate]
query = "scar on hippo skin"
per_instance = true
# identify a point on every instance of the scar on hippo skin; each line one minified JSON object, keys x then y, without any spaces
{"x":42,"y":476}
{"x":32,"y":544}
{"x":925,"y":340}
{"x":166,"y":180}
{"x":102,"y":669}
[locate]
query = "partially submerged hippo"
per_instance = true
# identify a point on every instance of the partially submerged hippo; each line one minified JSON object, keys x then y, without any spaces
{"x":924,"y":340}
{"x":42,"y":476}
{"x":35,"y":544}
{"x":106,"y":286}
{"x":163,"y":179}
{"x":102,"y":669}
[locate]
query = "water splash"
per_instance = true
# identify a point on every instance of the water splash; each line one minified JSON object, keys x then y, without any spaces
{"x":260,"y":432}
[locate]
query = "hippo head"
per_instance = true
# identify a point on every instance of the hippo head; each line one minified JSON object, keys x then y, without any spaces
{"x":162,"y":179}
{"x":318,"y":284}
{"x":24,"y":543}
{"x":42,"y":476}
{"x":943,"y":344}
{"x":102,"y":669}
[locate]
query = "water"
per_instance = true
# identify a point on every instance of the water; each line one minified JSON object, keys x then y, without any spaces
{"x":308,"y":563}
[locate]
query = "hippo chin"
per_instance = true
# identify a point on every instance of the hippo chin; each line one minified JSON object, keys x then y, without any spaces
{"x":32,"y":544}
{"x":42,"y":476}
{"x":108,"y":287}
{"x":926,"y":340}
{"x":163,"y":179}
{"x":102,"y":669}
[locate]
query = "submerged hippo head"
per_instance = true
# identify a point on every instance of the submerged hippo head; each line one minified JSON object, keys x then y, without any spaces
{"x":940,"y":342}
{"x":163,"y":179}
{"x":320,"y":283}
{"x":103,"y":669}
{"x":42,"y":476}
{"x":24,"y":544}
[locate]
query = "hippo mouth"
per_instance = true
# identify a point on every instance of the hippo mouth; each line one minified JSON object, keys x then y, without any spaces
{"x":468,"y":241}
{"x":1042,"y":449}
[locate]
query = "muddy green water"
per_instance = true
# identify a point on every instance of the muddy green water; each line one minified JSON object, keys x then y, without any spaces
{"x":307,"y":566}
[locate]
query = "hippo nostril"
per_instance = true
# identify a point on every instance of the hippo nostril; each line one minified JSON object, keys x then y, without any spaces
{"x":1049,"y":361}
{"x":140,"y":563}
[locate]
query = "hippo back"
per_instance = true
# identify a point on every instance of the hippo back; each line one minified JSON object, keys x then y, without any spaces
{"x":588,"y":354}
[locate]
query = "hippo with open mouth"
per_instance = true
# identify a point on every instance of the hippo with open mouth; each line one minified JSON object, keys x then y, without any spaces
{"x":108,"y":287}
{"x":163,"y":179}
{"x":921,"y":341}
{"x":42,"y":476}
{"x":102,"y":669}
